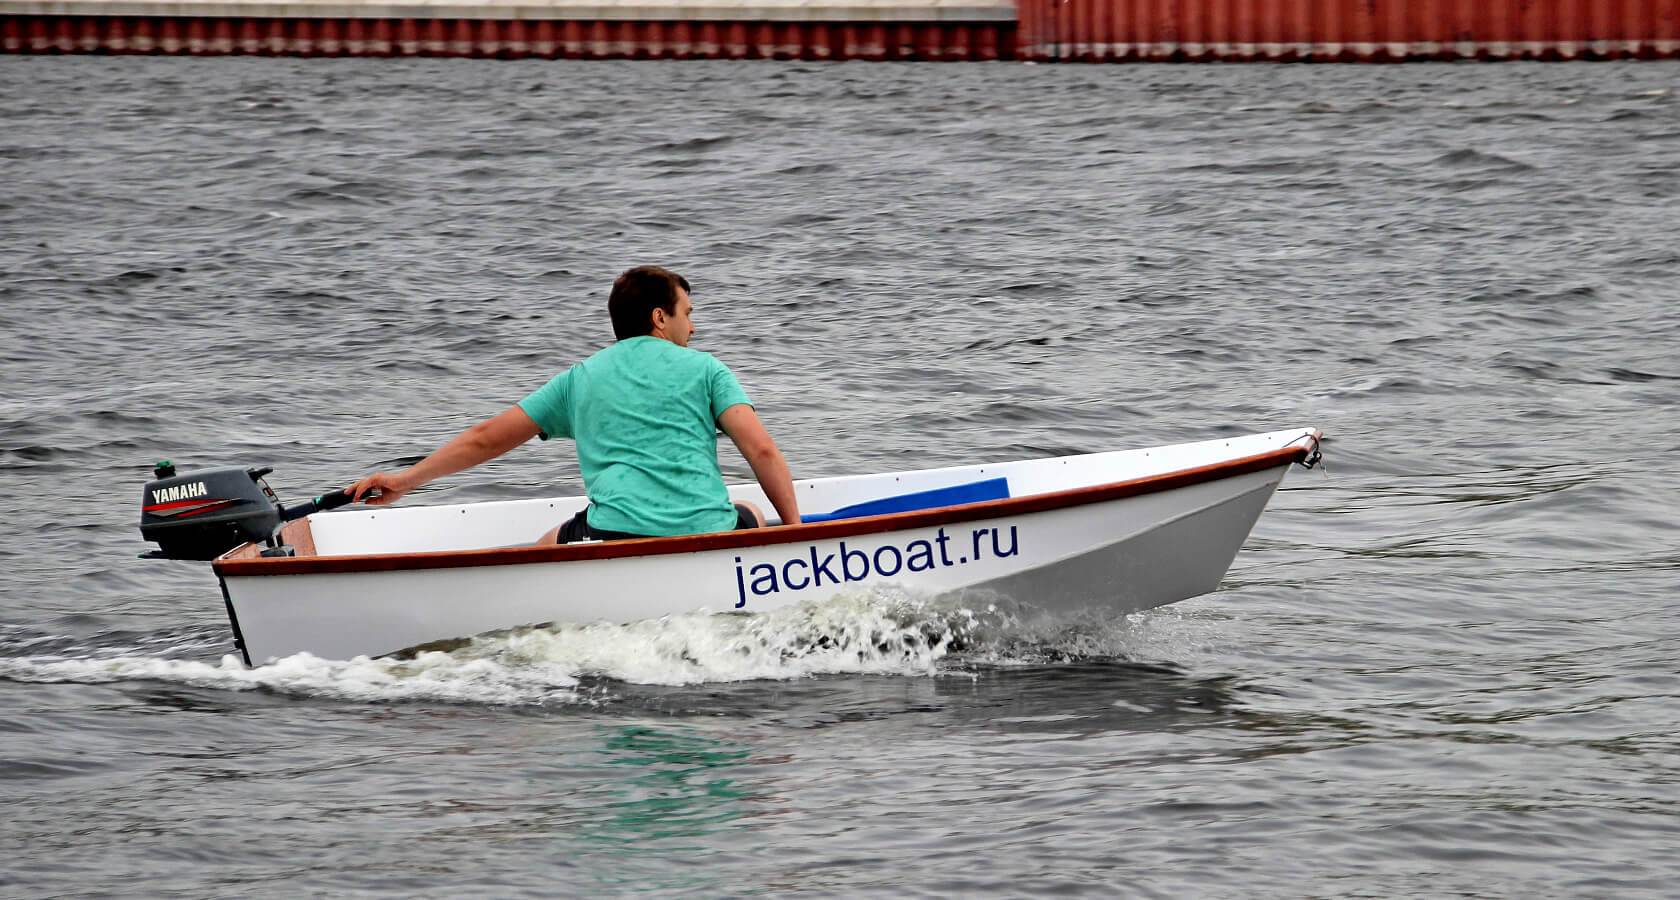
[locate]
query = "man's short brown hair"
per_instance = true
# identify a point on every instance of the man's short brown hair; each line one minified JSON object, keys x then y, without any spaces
{"x":637,"y":293}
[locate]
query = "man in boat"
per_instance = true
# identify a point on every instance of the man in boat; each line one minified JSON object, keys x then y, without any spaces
{"x":644,"y":413}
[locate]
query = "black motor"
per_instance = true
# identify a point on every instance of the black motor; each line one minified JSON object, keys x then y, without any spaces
{"x":205,"y":514}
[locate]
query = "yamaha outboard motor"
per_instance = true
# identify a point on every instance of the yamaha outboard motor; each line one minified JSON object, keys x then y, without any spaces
{"x":205,"y":514}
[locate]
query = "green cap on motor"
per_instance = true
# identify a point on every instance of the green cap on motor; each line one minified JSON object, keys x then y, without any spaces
{"x":164,"y":469}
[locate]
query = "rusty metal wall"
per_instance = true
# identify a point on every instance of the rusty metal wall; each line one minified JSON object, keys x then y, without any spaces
{"x":516,"y":39}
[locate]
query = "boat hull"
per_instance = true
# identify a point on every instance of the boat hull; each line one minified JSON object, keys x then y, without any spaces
{"x":1117,"y":548}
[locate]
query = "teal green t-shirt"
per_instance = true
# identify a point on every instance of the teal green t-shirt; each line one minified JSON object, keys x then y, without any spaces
{"x":644,"y":414}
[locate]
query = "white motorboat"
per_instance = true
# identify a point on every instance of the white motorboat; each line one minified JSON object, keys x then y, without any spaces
{"x":1115,"y":532}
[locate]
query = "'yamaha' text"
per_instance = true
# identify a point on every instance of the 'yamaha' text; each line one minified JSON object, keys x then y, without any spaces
{"x":180,"y":492}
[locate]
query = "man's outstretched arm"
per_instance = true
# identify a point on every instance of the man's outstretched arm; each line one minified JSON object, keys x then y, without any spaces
{"x":760,"y":450}
{"x":480,"y":443}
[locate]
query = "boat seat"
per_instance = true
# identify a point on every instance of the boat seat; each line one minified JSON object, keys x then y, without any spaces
{"x":956,"y":494}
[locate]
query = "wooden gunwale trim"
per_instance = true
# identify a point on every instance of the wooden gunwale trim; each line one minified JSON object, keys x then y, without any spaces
{"x":235,"y":564}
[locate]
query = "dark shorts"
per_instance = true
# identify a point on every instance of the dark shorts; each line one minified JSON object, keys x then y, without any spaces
{"x":577,"y":527}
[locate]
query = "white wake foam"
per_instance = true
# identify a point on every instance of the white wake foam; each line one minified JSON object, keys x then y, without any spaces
{"x":429,"y":676}
{"x":881,"y":631}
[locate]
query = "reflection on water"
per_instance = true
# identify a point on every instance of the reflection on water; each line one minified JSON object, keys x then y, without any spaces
{"x":669,"y":782}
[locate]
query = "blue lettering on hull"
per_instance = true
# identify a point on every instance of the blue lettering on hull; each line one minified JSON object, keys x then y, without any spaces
{"x":811,"y":569}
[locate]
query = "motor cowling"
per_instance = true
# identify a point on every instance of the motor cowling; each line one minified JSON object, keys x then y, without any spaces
{"x":202,"y":515}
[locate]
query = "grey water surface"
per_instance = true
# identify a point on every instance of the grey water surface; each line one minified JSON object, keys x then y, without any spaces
{"x":1446,"y":665}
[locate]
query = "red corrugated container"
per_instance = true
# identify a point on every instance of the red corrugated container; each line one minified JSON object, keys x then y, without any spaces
{"x":1344,"y":30}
